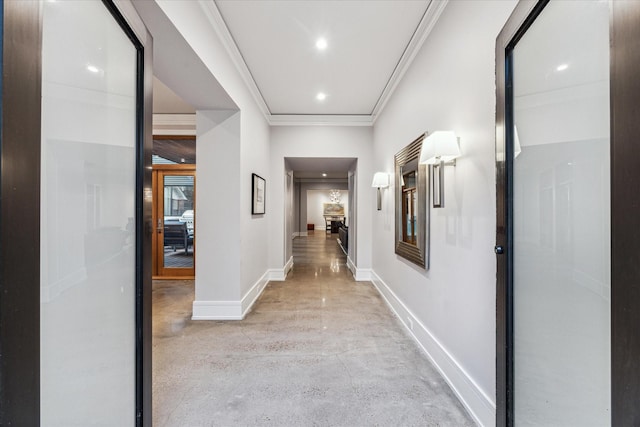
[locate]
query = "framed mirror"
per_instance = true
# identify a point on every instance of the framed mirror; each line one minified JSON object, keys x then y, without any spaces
{"x":411,"y":194}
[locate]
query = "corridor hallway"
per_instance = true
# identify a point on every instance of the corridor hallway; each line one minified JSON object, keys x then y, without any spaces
{"x":318,"y":349}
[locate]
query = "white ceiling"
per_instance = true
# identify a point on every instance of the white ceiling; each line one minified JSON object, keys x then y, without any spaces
{"x":165,"y":101}
{"x":370,"y":44}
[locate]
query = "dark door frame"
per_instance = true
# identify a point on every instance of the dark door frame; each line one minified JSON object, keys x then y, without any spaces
{"x":20,"y":141}
{"x":625,"y":209}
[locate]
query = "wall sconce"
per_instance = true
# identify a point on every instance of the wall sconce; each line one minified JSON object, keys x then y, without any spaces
{"x":380,"y":180}
{"x":439,"y":148}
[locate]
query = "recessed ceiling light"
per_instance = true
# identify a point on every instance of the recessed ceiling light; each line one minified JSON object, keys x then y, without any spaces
{"x":562,"y":67}
{"x":321,"y":96}
{"x":324,"y":174}
{"x":321,"y":44}
{"x":93,"y":68}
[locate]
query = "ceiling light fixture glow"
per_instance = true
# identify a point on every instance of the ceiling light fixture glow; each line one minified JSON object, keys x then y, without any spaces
{"x":321,"y":44}
{"x":324,"y":175}
{"x":562,"y":67}
{"x":93,"y":68}
{"x":321,"y":96}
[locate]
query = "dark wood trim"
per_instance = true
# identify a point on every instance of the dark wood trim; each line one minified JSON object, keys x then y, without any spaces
{"x":182,"y":137}
{"x":160,"y":272}
{"x":625,"y":214}
{"x":174,"y":277}
{"x":20,"y":214}
{"x":180,"y":167}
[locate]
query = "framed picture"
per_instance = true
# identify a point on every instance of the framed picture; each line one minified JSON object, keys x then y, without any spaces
{"x":333,"y":209}
{"x":258,"y":187}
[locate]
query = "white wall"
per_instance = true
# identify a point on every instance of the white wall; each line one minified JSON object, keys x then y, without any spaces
{"x":450,"y":86}
{"x":321,"y":141}
{"x":315,"y":205}
{"x":234,"y":286}
{"x":218,"y":242}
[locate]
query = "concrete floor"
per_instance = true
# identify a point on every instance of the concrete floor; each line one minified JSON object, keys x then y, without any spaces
{"x":318,"y":349}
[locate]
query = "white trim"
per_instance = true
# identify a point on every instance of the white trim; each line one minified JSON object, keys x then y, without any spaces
{"x":256,"y":290}
{"x":174,"y":124}
{"x":280,"y":274}
{"x":212,"y":13}
{"x":480,"y":406}
{"x":434,"y":10}
{"x":231,"y":310}
{"x":351,"y":266}
{"x":288,"y":266}
{"x":277,"y":274}
{"x":217,"y":310}
{"x":319,"y":120}
{"x":362,"y":274}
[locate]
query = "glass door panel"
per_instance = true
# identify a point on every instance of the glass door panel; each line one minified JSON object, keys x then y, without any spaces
{"x":175,"y":223}
{"x":561,"y":213}
{"x":88,"y":210}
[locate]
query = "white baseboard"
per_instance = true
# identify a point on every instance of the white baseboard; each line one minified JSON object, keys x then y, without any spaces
{"x":280,"y":274}
{"x":254,"y":293}
{"x":362,"y":274}
{"x":351,"y":266}
{"x":217,"y":310}
{"x":479,"y":405}
{"x":359,"y":274}
{"x":288,"y":266}
{"x":231,"y":310}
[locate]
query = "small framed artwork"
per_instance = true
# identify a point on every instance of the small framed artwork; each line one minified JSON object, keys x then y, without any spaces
{"x":258,"y":187}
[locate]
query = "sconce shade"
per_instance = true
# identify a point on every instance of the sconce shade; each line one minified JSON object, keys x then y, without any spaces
{"x":439,"y":146}
{"x":380,"y":180}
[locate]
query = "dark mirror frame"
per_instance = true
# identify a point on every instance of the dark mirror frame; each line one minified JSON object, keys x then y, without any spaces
{"x":418,"y":253}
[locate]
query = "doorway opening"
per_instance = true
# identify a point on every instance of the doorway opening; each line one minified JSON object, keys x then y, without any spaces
{"x":322,"y":199}
{"x":174,"y":185}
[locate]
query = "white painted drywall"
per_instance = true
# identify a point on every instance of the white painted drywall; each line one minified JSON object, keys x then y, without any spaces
{"x":254,"y":229}
{"x":230,"y":264}
{"x":450,"y":86}
{"x":321,"y":141}
{"x":217,"y":239}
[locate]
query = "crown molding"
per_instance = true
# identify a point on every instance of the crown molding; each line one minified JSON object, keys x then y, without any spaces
{"x":212,"y":13}
{"x":428,"y":21}
{"x":319,"y":120}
